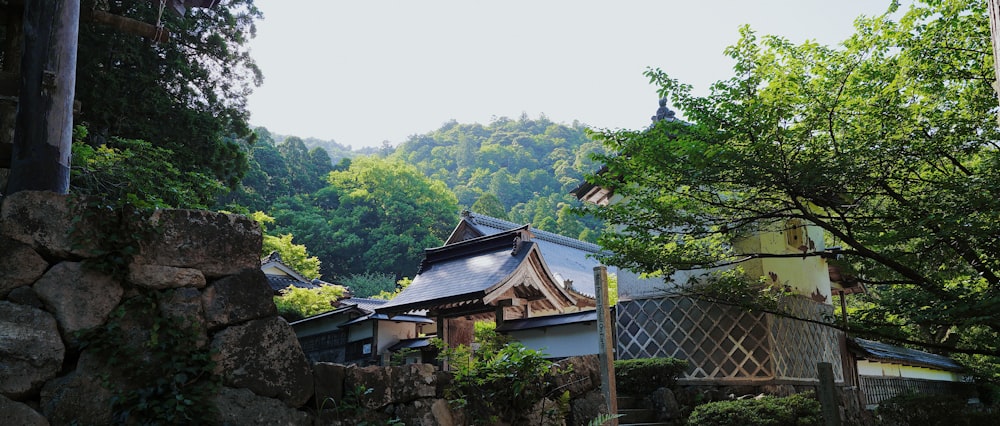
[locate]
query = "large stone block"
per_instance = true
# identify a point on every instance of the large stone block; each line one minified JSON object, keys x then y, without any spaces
{"x":159,"y":277}
{"x":329,"y":381}
{"x":43,"y":220}
{"x":243,"y":407}
{"x":81,"y":397}
{"x":264,"y":356}
{"x":31,"y":350}
{"x":20,"y":265}
{"x":16,"y":413}
{"x":393,"y":385}
{"x":238,"y":298}
{"x":218,"y":244}
{"x":80,"y":298}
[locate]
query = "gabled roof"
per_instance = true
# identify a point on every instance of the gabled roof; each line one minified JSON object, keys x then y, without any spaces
{"x":568,"y":258}
{"x":884,"y":352}
{"x":548,"y":321}
{"x":478,"y":272}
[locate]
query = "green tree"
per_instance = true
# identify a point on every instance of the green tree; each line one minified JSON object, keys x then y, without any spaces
{"x":295,"y":303}
{"x":488,"y":204}
{"x":376,"y":215}
{"x":888,"y":143}
{"x":294,"y":255}
{"x":368,"y":284}
{"x":187,"y":95}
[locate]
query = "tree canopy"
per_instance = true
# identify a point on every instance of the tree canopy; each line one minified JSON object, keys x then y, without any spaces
{"x":887,"y":142}
{"x":187,"y":95}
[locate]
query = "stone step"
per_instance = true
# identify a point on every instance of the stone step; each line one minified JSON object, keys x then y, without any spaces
{"x":636,"y":415}
{"x":629,"y":402}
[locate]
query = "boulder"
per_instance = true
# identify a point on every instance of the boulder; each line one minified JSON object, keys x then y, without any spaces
{"x":586,"y":407}
{"x":158,"y":277}
{"x":31,"y":350}
{"x":392,"y":385}
{"x":328,"y":379}
{"x":238,"y":298}
{"x":19,"y":265}
{"x":243,"y":407}
{"x":43,"y":219}
{"x":427,"y":412}
{"x":80,"y":397}
{"x":16,"y":413}
{"x":25,"y":296}
{"x":665,"y":403}
{"x":185,"y":304}
{"x":218,"y":244}
{"x":80,"y":298}
{"x":264,"y":356}
{"x":584,"y":375}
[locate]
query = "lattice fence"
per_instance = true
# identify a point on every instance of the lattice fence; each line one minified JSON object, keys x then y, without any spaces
{"x":799,"y":345}
{"x":719,"y":342}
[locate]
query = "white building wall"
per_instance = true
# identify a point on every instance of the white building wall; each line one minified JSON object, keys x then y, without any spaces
{"x":560,"y":341}
{"x":875,"y":368}
{"x":391,"y":332}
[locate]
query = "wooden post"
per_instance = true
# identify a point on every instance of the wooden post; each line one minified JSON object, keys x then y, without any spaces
{"x":605,"y":350}
{"x":43,"y":132}
{"x":994,"y":12}
{"x":828,"y":395}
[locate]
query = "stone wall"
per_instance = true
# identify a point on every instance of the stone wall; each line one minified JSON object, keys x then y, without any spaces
{"x":203,"y":268}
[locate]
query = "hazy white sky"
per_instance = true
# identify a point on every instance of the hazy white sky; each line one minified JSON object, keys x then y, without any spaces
{"x":363,"y":72}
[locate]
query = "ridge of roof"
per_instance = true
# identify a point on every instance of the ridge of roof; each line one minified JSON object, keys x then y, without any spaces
{"x":481,"y":219}
{"x":476,"y":245}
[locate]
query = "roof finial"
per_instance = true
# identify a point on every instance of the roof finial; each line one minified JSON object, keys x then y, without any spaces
{"x":662,"y":113}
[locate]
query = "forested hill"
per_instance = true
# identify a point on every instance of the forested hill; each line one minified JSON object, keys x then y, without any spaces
{"x":529,"y":165}
{"x":364,"y":212}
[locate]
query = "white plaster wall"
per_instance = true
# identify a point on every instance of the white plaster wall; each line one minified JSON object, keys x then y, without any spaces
{"x":874,"y":368}
{"x":391,"y":332}
{"x":561,"y":341}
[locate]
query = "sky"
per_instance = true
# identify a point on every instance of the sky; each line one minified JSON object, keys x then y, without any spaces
{"x":364,"y":72}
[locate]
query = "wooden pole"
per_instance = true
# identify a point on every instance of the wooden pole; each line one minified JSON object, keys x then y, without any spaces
{"x":828,"y":395}
{"x":994,"y":11}
{"x":43,"y":131}
{"x":605,"y":350}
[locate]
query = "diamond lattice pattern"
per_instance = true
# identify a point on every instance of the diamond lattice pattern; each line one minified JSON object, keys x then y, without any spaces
{"x":799,"y":345}
{"x":719,"y":342}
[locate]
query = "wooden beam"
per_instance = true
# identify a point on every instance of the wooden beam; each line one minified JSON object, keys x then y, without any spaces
{"x":128,"y":25}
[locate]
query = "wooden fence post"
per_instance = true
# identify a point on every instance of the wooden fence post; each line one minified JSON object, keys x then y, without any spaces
{"x":828,"y":395}
{"x":605,"y":350}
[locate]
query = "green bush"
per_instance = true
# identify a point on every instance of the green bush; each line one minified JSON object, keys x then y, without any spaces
{"x":498,"y":383}
{"x":645,"y":375}
{"x":795,"y":410}
{"x":929,"y":410}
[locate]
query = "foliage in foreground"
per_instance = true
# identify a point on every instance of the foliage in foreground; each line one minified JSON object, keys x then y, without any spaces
{"x":794,"y":410}
{"x":501,"y":381}
{"x":644,"y":375}
{"x":931,"y":410}
{"x":887,"y":142}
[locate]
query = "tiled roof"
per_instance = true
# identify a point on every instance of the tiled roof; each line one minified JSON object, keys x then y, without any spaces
{"x":567,"y":258}
{"x":461,"y":271}
{"x":879,"y":351}
{"x":281,"y":282}
{"x":420,"y":342}
{"x":548,"y":321}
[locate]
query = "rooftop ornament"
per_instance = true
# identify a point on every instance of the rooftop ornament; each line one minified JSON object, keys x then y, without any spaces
{"x":662,"y":113}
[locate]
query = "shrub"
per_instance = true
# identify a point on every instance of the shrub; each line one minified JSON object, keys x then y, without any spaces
{"x":928,"y":410}
{"x":645,"y":375}
{"x":497,"y":383}
{"x":795,"y":410}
